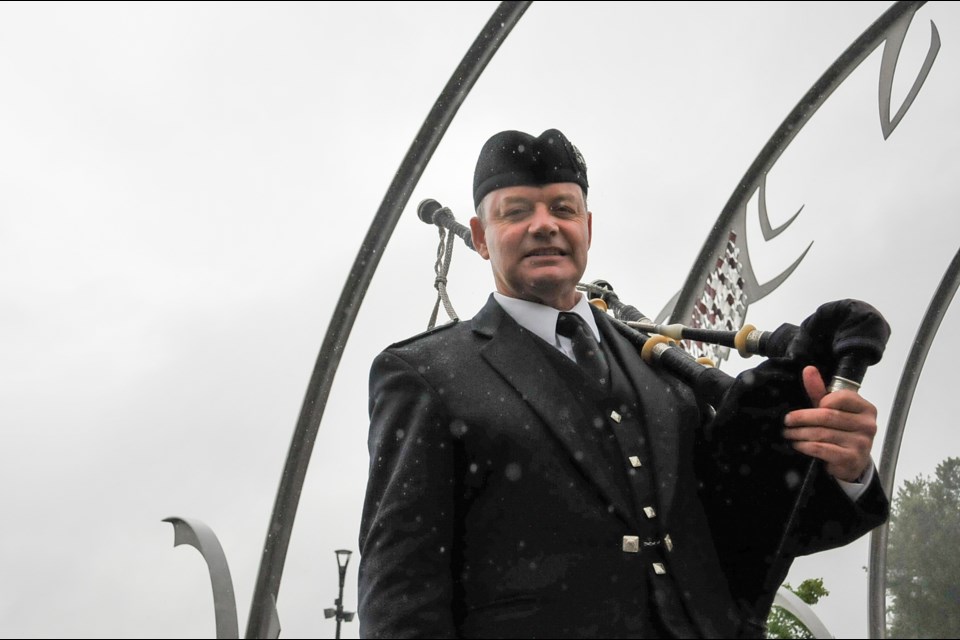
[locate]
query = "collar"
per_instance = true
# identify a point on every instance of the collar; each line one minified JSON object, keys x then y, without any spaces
{"x":541,"y":319}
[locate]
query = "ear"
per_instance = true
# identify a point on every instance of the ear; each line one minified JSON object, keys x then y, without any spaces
{"x":589,"y":229}
{"x":479,"y":238}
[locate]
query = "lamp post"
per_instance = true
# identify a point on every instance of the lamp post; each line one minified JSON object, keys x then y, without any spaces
{"x":343,"y":557}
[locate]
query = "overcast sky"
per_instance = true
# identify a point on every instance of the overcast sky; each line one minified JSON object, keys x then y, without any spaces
{"x":183,"y":188}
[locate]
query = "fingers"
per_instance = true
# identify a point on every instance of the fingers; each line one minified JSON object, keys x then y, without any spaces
{"x":852,"y":440}
{"x":844,"y":410}
{"x":842,"y":463}
{"x":841,"y":410}
{"x":814,"y":385}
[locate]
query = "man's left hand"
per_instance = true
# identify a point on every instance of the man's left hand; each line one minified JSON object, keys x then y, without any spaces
{"x":839,"y":429}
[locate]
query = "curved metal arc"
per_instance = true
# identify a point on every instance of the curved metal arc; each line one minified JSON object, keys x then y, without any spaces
{"x":752,"y":285}
{"x":926,"y":333}
{"x":768,"y":231}
{"x":790,"y":601}
{"x":368,"y":257}
{"x":732,"y":215}
{"x":891,"y":51}
{"x":814,"y":98}
{"x":198,"y":535}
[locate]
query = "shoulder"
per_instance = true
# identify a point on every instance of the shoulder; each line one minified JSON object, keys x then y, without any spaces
{"x":450,"y":337}
{"x":426,"y":358}
{"x":458,"y":338}
{"x":434,"y":335}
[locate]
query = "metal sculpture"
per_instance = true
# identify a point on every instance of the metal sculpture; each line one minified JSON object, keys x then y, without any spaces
{"x":894,"y":436}
{"x":722,"y":284}
{"x":201,"y":537}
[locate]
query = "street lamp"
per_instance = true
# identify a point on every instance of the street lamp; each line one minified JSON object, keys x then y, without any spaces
{"x":343,"y":557}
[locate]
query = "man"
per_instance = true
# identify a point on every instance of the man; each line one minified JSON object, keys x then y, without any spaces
{"x":513,"y":493}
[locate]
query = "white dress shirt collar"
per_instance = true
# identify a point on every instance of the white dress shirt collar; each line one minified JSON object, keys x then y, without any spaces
{"x":541,"y":319}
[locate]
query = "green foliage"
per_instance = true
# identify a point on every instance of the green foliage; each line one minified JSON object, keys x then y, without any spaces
{"x":923,"y":566}
{"x":783,"y":624}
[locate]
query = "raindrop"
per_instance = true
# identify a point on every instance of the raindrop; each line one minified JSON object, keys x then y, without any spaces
{"x":513,"y":472}
{"x":458,"y":428}
{"x":792,"y":478}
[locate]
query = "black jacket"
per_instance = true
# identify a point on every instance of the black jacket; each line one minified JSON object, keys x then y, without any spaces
{"x":487,"y":516}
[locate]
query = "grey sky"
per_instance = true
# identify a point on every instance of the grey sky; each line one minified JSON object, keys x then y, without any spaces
{"x":183,"y":188}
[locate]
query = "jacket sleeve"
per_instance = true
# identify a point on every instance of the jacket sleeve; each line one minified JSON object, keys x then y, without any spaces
{"x":831,"y":519}
{"x":406,"y":531}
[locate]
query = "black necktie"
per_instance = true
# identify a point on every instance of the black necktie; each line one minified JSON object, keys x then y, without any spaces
{"x":585,"y":347}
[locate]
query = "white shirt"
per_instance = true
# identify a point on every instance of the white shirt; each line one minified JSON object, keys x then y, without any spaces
{"x":541,"y":320}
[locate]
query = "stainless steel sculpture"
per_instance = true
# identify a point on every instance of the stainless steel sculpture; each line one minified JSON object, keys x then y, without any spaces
{"x":201,"y":537}
{"x":721,"y":285}
{"x":890,"y":453}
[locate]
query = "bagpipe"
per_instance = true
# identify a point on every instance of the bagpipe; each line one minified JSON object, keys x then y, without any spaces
{"x":754,"y":485}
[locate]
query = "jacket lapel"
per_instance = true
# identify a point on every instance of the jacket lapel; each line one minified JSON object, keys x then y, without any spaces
{"x":660,"y":419}
{"x":513,"y":353}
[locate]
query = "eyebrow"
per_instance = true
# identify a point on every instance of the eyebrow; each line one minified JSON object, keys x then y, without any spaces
{"x":515,"y":200}
{"x":565,"y":197}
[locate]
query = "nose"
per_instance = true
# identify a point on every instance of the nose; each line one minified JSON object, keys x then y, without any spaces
{"x":542,"y":222}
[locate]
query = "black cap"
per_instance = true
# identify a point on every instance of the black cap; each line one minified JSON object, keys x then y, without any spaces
{"x":514,"y":158}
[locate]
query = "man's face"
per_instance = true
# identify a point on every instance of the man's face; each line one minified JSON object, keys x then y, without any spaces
{"x":536,"y":239}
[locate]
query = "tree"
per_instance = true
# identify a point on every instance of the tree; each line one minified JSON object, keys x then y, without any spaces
{"x":923,"y":566}
{"x":783,"y":624}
